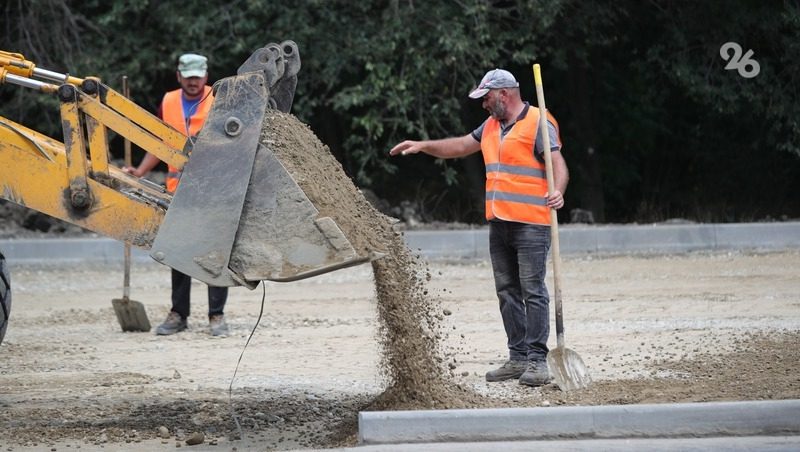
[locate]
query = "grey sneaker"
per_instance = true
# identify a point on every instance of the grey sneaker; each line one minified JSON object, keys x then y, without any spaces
{"x":536,"y":374}
{"x":173,"y":324}
{"x":218,"y":325}
{"x":510,"y":369}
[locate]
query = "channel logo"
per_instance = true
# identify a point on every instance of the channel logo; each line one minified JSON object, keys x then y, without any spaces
{"x":745,"y":64}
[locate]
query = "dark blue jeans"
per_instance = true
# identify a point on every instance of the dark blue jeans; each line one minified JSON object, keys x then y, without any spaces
{"x":519,"y":260}
{"x":181,"y":289}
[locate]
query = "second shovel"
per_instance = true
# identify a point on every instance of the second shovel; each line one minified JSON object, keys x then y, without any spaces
{"x":130,"y":314}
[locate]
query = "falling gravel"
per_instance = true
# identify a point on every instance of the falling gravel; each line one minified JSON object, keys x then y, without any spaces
{"x":414,"y":364}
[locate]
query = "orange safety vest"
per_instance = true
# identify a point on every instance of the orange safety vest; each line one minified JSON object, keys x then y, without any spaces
{"x":516,"y":182}
{"x":172,"y":114}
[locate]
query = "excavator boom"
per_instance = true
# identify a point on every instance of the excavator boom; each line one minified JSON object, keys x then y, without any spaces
{"x":237,"y":217}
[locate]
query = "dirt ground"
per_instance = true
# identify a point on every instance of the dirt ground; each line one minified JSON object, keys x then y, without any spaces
{"x":651,"y":328}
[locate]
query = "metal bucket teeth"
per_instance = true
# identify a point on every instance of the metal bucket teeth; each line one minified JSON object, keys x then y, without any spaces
{"x":280,"y":236}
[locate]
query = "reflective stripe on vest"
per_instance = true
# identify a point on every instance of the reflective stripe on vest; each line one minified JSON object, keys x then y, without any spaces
{"x":516,"y":182}
{"x":172,"y":114}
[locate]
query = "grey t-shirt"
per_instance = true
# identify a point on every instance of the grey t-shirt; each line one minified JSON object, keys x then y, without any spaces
{"x":555,"y":144}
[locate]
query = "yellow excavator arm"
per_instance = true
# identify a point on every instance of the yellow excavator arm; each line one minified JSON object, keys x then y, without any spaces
{"x":230,"y":175}
{"x":73,"y":180}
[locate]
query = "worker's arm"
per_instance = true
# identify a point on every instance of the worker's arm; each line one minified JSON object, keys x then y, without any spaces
{"x":148,"y":162}
{"x":555,"y":200}
{"x":447,"y":148}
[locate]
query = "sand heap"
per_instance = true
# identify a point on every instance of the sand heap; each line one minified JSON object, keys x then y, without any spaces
{"x":410,"y":333}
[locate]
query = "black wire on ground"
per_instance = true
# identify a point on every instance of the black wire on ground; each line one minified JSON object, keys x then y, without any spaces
{"x":230,"y":386}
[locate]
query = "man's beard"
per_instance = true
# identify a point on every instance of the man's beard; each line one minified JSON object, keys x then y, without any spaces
{"x":498,"y":110}
{"x":193,"y":90}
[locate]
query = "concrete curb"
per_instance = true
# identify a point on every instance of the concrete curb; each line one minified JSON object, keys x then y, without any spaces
{"x":781,"y":417}
{"x":474,"y":243}
{"x":666,"y":238}
{"x":69,"y":249}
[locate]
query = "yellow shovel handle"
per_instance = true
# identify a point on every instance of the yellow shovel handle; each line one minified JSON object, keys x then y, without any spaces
{"x":537,"y":74}
{"x":554,"y":245}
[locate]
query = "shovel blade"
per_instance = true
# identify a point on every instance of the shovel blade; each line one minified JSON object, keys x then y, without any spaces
{"x":568,"y":370}
{"x":131,"y":315}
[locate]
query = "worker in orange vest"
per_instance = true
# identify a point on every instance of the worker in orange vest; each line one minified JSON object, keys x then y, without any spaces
{"x":518,"y":210}
{"x":186,"y":109}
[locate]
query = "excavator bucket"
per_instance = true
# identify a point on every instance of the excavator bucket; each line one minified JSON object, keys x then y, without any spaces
{"x":238,"y":216}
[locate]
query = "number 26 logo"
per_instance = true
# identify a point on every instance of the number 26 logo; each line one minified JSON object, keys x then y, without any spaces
{"x":739,"y":62}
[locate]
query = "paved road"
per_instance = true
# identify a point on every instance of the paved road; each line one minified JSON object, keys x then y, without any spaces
{"x":473,"y":243}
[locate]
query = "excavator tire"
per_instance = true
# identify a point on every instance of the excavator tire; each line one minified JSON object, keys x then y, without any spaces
{"x":5,"y":297}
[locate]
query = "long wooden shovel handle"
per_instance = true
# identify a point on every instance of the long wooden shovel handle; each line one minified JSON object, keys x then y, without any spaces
{"x":554,"y":246}
{"x":126,"y":282}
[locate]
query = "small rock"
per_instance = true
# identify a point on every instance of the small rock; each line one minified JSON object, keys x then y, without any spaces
{"x":176,"y":375}
{"x":163,"y":432}
{"x":195,"y":438}
{"x":447,"y":312}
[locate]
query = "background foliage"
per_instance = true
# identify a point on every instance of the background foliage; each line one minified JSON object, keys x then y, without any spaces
{"x":653,"y":125}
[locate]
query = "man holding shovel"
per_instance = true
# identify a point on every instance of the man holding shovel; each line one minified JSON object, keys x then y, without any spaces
{"x":186,"y":110}
{"x":518,"y":210}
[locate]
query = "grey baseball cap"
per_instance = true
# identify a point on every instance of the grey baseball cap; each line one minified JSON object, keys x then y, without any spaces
{"x":496,"y":78}
{"x":192,"y":65}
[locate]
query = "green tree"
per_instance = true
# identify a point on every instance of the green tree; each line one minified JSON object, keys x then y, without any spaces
{"x":654,"y":126}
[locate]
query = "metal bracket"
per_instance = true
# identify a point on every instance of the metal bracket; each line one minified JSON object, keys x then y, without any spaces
{"x":200,"y":226}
